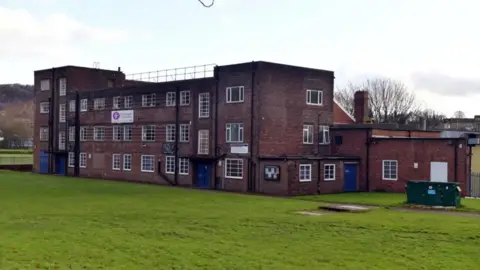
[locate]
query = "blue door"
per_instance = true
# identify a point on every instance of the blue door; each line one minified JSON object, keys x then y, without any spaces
{"x":350,"y":177}
{"x":203,"y":175}
{"x":43,"y":162}
{"x":60,"y":165}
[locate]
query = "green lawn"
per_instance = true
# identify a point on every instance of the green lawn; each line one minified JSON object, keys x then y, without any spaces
{"x":50,"y":222}
{"x":381,"y":199}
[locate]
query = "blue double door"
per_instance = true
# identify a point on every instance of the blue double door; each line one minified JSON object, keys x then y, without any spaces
{"x":350,"y":177}
{"x":44,"y":162}
{"x":204,"y":174}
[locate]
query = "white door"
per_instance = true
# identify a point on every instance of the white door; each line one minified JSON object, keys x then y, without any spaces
{"x":438,"y":171}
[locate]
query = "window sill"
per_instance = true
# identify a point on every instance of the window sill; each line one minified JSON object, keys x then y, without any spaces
{"x":234,"y":177}
{"x":234,"y":102}
{"x":305,"y":181}
{"x":389,"y":179}
{"x":147,"y":171}
{"x":329,"y":180}
{"x":314,"y":104}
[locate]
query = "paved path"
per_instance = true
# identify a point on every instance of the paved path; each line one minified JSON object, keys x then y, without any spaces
{"x":451,"y":213}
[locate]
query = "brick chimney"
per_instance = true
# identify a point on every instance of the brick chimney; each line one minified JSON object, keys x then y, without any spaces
{"x":360,"y":103}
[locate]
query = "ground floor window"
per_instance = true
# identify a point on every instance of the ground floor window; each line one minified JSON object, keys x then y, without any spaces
{"x":234,"y":168}
{"x":329,"y":172}
{"x":71,"y":159}
{"x":183,"y":166}
{"x":170,"y":164}
{"x":83,"y":160}
{"x":127,"y":162}
{"x":305,"y":173}
{"x":116,"y":162}
{"x":390,"y":170}
{"x":147,"y":163}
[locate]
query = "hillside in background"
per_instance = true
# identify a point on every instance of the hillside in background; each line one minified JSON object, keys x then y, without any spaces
{"x":16,"y":110}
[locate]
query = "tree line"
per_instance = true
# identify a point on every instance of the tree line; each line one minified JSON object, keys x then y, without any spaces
{"x":391,"y":102}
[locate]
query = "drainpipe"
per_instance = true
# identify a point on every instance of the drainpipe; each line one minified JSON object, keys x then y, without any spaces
{"x":76,"y":171}
{"x":215,"y":128}
{"x":177,"y":131}
{"x":251,"y":180}
{"x":51,"y":123}
{"x":367,"y":161}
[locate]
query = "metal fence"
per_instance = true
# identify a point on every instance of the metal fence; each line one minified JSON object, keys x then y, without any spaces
{"x":174,"y":74}
{"x":16,"y":160}
{"x":475,"y":185}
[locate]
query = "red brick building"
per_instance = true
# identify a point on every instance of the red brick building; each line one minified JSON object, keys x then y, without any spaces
{"x":251,"y":127}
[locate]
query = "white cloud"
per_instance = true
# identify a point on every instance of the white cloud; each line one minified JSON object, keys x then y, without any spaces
{"x":25,"y":35}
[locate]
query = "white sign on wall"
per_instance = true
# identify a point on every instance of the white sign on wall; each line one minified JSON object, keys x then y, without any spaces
{"x":123,"y":116}
{"x":239,"y":148}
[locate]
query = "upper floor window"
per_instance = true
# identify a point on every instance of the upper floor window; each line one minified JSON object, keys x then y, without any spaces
{"x":184,"y":98}
{"x":148,"y":133}
{"x":83,"y":105}
{"x":234,"y":133}
{"x":204,"y":105}
{"x":44,"y":134}
{"x":45,"y":85}
{"x":184,"y":132}
{"x":148,"y":100}
{"x":324,"y":134}
{"x":99,"y":104}
{"x":83,"y":134}
{"x":117,"y":102}
{"x":71,"y":106}
{"x":62,"y":86}
{"x":128,"y":102}
{"x":170,"y":133}
{"x":235,"y":94}
{"x":99,"y":133}
{"x":307,"y":134}
{"x":44,"y":107}
{"x":62,"y":111}
{"x":171,"y":99}
{"x":61,"y":140}
{"x":314,"y":97}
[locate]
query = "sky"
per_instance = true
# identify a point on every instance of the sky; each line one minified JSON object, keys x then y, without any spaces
{"x":431,"y":46}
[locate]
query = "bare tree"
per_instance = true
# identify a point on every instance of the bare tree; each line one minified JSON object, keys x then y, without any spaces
{"x":389,"y":100}
{"x":459,"y":114}
{"x":433,"y":119}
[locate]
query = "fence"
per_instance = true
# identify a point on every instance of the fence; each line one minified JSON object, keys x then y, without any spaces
{"x":175,"y":74}
{"x":475,"y":185}
{"x":16,"y":160}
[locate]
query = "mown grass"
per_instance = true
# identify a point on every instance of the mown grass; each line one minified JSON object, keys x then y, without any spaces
{"x":50,"y":222}
{"x":382,"y":199}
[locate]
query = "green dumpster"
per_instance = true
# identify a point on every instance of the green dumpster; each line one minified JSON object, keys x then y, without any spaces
{"x":433,"y":193}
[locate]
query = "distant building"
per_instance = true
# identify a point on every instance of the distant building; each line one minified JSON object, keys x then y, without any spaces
{"x":469,"y":124}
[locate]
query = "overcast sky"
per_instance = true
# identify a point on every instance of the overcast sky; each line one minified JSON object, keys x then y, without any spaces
{"x":433,"y":46}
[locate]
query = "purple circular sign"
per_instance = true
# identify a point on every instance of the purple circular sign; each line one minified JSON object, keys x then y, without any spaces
{"x":116,"y":115}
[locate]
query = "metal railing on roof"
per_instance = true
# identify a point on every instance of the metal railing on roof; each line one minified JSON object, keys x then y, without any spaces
{"x":174,"y":74}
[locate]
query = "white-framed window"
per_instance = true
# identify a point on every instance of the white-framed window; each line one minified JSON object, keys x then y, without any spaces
{"x":62,"y":85}
{"x":117,"y":133}
{"x":83,"y":134}
{"x":307,"y":134}
{"x":128,"y":102}
{"x":147,"y":163}
{"x":98,"y":133}
{"x":235,"y":94}
{"x":171,"y":99}
{"x":204,"y":105}
{"x":324,"y":134}
{"x":234,"y":168}
{"x":45,"y":85}
{"x":170,"y":164}
{"x":71,"y":159}
{"x":62,"y":111}
{"x":203,"y":142}
{"x":148,"y":100}
{"x":390,"y":170}
{"x":71,"y":106}
{"x":116,"y":165}
{"x":148,"y":133}
{"x":170,"y":133}
{"x":127,"y":162}
{"x":329,"y":172}
{"x":234,"y":132}
{"x":82,"y":163}
{"x":183,"y":166}
{"x":127,"y":133}
{"x":184,"y":98}
{"x":184,"y":132}
{"x":117,"y":101}
{"x":44,"y":134}
{"x":71,"y":134}
{"x":61,"y":140}
{"x":305,"y":172}
{"x":99,"y":104}
{"x":44,"y":107}
{"x":84,"y":105}
{"x":314,"y":97}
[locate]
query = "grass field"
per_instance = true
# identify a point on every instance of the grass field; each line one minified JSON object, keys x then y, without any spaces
{"x":381,"y":199}
{"x":49,"y":222}
{"x":16,"y":156}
